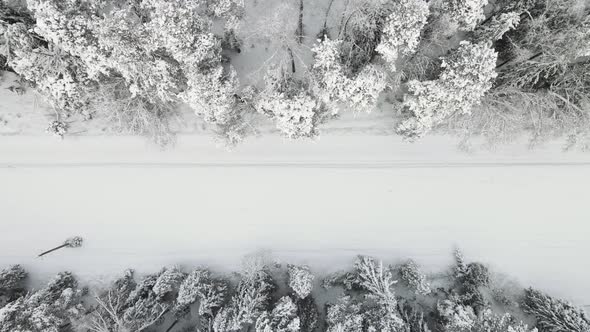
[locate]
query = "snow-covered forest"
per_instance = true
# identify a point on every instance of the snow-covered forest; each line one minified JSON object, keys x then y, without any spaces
{"x":500,"y":69}
{"x":267,"y":296}
{"x":389,"y":85}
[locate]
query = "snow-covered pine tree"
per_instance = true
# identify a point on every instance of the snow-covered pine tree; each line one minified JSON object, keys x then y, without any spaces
{"x":168,"y":283}
{"x":46,"y":310}
{"x":200,"y":286}
{"x":469,"y":278}
{"x":12,"y":285}
{"x":252,"y":297}
{"x":308,"y":313}
{"x":495,"y":28}
{"x":476,"y":274}
{"x":467,"y":75}
{"x":378,"y":281}
{"x":554,"y":315}
{"x":401,"y":33}
{"x":454,"y":316}
{"x":282,"y":318}
{"x":415,"y":280}
{"x":300,"y":280}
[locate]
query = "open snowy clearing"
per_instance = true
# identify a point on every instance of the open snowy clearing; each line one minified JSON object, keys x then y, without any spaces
{"x":523,"y":212}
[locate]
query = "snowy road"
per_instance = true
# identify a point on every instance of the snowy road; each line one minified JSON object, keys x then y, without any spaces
{"x":525,"y":213}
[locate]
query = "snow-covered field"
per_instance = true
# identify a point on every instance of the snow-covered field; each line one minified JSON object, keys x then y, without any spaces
{"x":523,"y":212}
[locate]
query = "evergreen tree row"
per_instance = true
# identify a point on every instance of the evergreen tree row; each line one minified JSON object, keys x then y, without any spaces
{"x":268,"y":297}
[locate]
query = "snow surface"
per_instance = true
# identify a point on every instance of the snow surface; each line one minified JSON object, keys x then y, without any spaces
{"x":523,"y":212}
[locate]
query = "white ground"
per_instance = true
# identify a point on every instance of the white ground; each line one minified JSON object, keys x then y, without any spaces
{"x":525,"y":213}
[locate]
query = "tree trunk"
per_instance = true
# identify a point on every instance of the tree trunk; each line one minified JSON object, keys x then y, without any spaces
{"x":529,"y":59}
{"x":325,"y":28}
{"x":292,"y":60}
{"x":52,"y":250}
{"x":172,"y":326}
{"x":300,"y":24}
{"x":343,"y":18}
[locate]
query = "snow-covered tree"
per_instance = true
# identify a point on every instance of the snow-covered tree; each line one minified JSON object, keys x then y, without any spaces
{"x":352,"y":315}
{"x":212,"y":94}
{"x":488,"y":321}
{"x":295,"y":115}
{"x":466,"y":13}
{"x":413,"y":317}
{"x":476,"y":274}
{"x":361,"y":30}
{"x":548,"y":49}
{"x":460,"y":267}
{"x":12,"y":283}
{"x":131,"y":306}
{"x":411,"y":275}
{"x":250,"y":300}
{"x":469,"y":278}
{"x":231,"y":11}
{"x":282,"y":318}
{"x":402,"y":30}
{"x":467,"y":75}
{"x":554,"y":315}
{"x":497,"y":26}
{"x":200,"y":286}
{"x":57,"y":128}
{"x":308,"y":313}
{"x":542,"y":86}
{"x":59,"y":77}
{"x":300,"y":280}
{"x":168,"y":283}
{"x":47,"y":310}
{"x":336,"y":89}
{"x":455,"y":316}
{"x":288,"y":102}
{"x":344,"y":316}
{"x":379,"y":282}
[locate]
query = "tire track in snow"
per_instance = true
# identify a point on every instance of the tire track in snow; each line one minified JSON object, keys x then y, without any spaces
{"x":331,"y":165}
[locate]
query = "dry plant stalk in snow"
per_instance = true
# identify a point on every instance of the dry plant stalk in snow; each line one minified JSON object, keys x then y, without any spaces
{"x":73,"y":242}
